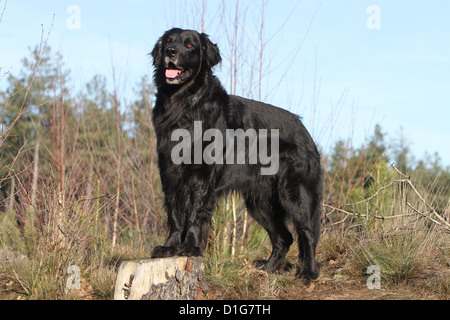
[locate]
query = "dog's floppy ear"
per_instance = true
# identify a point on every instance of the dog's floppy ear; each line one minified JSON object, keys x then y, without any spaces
{"x":211,"y":51}
{"x":157,"y":52}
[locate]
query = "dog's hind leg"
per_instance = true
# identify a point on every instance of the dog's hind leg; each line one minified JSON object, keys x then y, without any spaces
{"x":305,"y":213}
{"x":271,"y":217}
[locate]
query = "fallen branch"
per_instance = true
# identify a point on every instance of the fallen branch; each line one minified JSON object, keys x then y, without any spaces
{"x":423,"y":214}
{"x":407,"y":179}
{"x":435,"y":216}
{"x":356,"y":214}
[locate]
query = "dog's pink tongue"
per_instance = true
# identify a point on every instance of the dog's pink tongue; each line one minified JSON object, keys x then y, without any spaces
{"x":172,"y":73}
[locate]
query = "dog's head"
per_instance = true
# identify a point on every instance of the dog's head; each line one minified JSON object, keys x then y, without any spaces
{"x":181,"y":55}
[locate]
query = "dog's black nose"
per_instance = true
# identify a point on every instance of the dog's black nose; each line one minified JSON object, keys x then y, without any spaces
{"x":171,"y":52}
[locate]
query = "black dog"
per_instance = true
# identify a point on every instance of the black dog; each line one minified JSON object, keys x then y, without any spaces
{"x":191,"y":100}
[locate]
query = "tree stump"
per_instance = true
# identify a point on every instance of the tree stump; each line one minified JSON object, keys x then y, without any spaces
{"x":178,"y":278}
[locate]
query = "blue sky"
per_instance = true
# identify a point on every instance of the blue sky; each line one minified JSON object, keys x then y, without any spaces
{"x":323,"y":60}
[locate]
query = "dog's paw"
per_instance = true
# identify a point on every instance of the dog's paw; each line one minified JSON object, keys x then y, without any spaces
{"x":163,"y":252}
{"x":272,"y":266}
{"x":308,"y":275}
{"x":260,"y":264}
{"x":190,"y":251}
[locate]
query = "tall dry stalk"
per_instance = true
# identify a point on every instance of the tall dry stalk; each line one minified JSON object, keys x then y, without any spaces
{"x":115,"y":232}
{"x":234,"y":235}
{"x":59,"y":132}
{"x":34,"y":185}
{"x":3,"y":11}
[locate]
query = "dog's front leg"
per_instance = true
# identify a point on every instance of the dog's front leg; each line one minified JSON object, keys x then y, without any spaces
{"x":197,"y":228}
{"x":175,"y":221}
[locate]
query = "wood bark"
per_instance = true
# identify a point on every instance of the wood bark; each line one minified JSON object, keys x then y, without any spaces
{"x":177,"y":278}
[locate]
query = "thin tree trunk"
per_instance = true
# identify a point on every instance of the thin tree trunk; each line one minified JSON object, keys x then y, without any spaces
{"x":119,"y":167}
{"x":12,"y":194}
{"x":244,"y":231}
{"x":138,"y":227}
{"x":116,"y":214}
{"x":35,"y":173}
{"x":234,"y":233}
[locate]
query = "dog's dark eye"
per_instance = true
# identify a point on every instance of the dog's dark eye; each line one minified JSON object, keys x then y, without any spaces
{"x":189,"y":45}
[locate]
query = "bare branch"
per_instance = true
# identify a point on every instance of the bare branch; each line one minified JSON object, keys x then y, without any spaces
{"x":435,"y":218}
{"x":4,"y":8}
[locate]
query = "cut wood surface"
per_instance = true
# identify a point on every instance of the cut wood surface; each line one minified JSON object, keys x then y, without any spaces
{"x":178,"y":278}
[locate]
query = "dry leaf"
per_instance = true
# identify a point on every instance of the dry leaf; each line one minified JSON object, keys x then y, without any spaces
{"x":311,"y":288}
